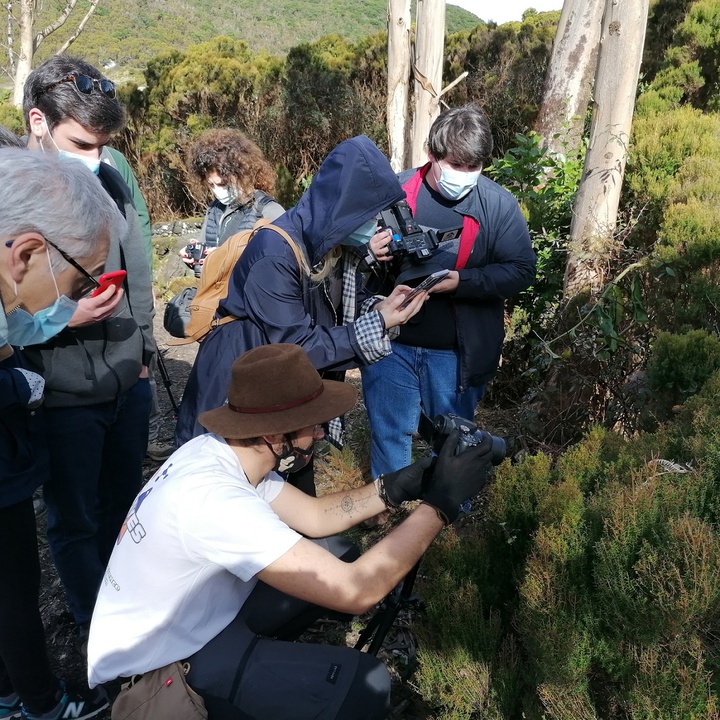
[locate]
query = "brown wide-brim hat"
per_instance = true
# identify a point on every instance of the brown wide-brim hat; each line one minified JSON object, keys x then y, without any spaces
{"x":274,"y":389}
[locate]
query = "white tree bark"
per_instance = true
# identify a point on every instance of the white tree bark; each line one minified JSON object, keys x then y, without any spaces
{"x":398,"y":81}
{"x":570,"y":75}
{"x":21,"y":15}
{"x":428,"y":66}
{"x":596,"y":205}
{"x":26,"y":43}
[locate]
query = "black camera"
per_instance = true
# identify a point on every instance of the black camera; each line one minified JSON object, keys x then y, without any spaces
{"x":436,"y":431}
{"x":193,"y":255}
{"x":410,"y":241}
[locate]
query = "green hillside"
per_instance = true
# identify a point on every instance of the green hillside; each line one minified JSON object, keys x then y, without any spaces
{"x":130,"y":32}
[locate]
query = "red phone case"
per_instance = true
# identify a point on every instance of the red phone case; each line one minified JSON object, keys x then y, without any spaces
{"x":116,"y":278}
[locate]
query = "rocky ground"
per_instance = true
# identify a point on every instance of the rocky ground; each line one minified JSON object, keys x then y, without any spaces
{"x":333,"y":473}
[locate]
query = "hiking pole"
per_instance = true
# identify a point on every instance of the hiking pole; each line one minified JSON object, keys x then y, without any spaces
{"x":384,"y":617}
{"x":167,"y":382}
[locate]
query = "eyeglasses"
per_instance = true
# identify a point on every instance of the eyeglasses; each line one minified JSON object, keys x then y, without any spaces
{"x":85,"y":85}
{"x":93,"y":284}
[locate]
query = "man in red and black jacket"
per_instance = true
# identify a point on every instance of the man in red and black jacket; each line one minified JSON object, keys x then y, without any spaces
{"x":444,"y":357}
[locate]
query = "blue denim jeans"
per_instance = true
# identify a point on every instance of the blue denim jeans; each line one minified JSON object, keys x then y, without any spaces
{"x":96,"y":455}
{"x":398,"y":386}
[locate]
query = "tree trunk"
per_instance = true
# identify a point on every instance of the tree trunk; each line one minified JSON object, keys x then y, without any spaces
{"x":428,"y":66}
{"x":26,"y":38}
{"x":569,"y":77}
{"x":596,"y":204}
{"x":398,"y":81}
{"x":29,"y":40}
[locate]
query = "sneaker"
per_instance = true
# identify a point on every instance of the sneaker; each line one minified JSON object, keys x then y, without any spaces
{"x":73,"y":706}
{"x":10,"y":707}
{"x":160,"y":452}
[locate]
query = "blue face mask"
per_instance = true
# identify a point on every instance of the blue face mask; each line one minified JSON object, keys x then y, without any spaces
{"x":26,"y":329}
{"x":91,"y":163}
{"x":363,"y":235}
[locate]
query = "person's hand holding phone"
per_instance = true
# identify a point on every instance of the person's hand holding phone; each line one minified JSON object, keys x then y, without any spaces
{"x":96,"y":308}
{"x":395,"y":308}
{"x":448,"y":284}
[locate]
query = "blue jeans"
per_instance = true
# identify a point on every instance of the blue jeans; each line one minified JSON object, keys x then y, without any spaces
{"x":96,"y":455}
{"x":398,"y":386}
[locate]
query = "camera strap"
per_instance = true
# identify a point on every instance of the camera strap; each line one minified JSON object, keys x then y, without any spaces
{"x":470,"y":228}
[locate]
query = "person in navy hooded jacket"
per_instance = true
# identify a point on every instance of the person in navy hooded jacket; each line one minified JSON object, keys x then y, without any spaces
{"x":323,"y":305}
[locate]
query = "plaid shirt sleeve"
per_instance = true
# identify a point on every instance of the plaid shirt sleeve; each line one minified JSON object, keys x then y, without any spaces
{"x":370,"y":303}
{"x":371,"y":336}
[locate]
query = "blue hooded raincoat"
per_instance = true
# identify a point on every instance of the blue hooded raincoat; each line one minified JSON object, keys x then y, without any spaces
{"x":274,"y":301}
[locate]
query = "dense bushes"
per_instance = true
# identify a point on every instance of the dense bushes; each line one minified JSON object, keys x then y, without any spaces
{"x":299,"y":107}
{"x":592,"y":590}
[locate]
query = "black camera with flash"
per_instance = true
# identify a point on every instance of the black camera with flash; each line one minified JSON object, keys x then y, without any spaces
{"x":412,"y":245}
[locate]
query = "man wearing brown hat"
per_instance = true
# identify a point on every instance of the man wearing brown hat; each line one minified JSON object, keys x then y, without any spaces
{"x":214,"y":557}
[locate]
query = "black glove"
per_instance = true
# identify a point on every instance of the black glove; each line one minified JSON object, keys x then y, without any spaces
{"x":458,"y":478}
{"x":406,"y":484}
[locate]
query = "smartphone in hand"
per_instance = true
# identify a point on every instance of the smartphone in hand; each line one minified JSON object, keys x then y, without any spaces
{"x":116,"y":278}
{"x":429,"y":282}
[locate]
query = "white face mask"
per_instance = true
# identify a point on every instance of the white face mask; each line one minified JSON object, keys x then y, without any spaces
{"x":224,"y":193}
{"x":455,"y":184}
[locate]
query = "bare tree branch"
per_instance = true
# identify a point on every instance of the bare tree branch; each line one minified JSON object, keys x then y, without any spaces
{"x":80,"y":27}
{"x":57,"y":24}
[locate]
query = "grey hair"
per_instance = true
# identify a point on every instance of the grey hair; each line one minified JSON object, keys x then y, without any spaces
{"x":463,"y":133}
{"x":59,"y":198}
{"x":9,"y":139}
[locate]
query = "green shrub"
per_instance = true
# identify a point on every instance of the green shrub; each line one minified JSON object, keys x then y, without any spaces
{"x":680,"y":365}
{"x":661,"y":144}
{"x":12,"y":118}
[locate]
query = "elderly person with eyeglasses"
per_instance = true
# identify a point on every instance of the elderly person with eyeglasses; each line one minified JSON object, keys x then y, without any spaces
{"x":56,"y":225}
{"x":97,"y":392}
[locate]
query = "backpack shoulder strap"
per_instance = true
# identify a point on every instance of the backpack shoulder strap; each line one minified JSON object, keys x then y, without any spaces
{"x":299,"y":256}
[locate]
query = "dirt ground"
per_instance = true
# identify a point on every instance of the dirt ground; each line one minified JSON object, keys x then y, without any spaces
{"x":60,"y":630}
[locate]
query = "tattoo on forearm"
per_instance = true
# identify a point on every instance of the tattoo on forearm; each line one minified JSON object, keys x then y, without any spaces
{"x":349,"y":505}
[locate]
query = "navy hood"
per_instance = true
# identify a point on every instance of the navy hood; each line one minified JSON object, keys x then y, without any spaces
{"x":354,"y":183}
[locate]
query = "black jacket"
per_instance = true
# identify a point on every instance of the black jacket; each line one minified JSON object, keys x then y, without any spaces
{"x":501,"y":264}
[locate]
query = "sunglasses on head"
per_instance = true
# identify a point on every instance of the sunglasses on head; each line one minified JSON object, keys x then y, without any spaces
{"x":85,"y":85}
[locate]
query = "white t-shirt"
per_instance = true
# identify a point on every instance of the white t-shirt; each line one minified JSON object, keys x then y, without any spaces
{"x":185,"y":560}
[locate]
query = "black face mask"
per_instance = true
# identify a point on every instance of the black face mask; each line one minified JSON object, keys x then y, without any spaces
{"x":292,"y":458}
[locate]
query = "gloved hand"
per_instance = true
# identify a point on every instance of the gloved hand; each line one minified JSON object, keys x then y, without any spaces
{"x":458,"y":478}
{"x":405,"y":484}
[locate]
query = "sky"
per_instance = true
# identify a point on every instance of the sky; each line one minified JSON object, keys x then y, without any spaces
{"x":505,"y":10}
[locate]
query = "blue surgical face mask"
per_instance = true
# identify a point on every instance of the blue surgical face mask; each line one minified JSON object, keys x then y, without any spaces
{"x":91,"y":163}
{"x":26,"y":329}
{"x":455,"y":184}
{"x":363,"y":235}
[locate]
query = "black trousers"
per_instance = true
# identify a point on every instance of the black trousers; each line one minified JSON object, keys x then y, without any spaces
{"x":24,"y":666}
{"x":253,"y":671}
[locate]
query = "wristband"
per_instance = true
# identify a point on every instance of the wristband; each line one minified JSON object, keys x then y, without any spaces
{"x":382,"y":494}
